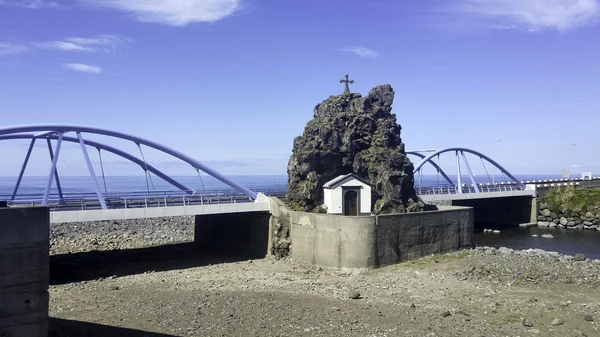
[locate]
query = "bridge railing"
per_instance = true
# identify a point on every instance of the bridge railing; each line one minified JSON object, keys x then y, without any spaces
{"x":483,"y":188}
{"x":89,"y":201}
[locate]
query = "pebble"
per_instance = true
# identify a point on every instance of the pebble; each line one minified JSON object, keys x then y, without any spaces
{"x":527,"y":323}
{"x":446,"y":313}
{"x":547,"y":236}
{"x":556,"y":321}
{"x":354,"y":295}
{"x":579,"y":257}
{"x":588,"y":318}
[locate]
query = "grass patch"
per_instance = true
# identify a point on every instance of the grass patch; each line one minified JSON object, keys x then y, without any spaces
{"x":441,"y":258}
{"x":570,"y":197}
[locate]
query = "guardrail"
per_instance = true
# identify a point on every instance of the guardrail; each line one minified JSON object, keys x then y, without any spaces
{"x":89,"y":201}
{"x":449,"y":189}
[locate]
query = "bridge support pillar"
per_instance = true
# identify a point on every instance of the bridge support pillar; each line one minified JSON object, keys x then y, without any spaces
{"x":238,"y":233}
{"x":534,"y":210}
{"x":24,"y":275}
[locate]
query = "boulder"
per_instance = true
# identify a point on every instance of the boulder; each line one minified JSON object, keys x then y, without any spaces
{"x":590,"y":215}
{"x":563,"y":221}
{"x":543,"y":224}
{"x":546,"y":212}
{"x":353,"y":134}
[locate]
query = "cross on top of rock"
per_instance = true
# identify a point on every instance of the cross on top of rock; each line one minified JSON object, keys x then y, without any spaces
{"x":346,"y":81}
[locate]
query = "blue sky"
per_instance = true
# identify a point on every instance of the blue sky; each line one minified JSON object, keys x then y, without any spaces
{"x":232,"y":82}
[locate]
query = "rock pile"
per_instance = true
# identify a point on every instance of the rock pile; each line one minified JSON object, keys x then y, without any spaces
{"x":533,"y":266}
{"x":575,"y":218}
{"x":353,"y":134}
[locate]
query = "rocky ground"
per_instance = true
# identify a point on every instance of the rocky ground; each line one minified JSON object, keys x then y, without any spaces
{"x":177,"y":290}
{"x":122,"y":234}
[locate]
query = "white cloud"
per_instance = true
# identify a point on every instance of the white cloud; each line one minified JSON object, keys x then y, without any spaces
{"x":100,"y":40}
{"x":7,"y":48}
{"x":62,"y":45}
{"x":362,"y":51}
{"x":80,"y":44}
{"x":85,"y":68}
{"x":173,"y":12}
{"x":531,"y":15}
{"x":33,"y":4}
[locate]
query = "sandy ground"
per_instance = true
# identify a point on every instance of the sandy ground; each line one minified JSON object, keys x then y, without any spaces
{"x":177,"y":290}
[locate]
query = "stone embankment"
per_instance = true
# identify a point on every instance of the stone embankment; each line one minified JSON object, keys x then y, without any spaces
{"x":575,"y":218}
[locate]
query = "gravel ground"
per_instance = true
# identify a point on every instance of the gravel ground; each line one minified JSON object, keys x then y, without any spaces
{"x":177,"y":290}
{"x":76,"y":237}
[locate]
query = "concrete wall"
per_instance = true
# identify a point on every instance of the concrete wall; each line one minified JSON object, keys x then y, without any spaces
{"x":24,"y":271}
{"x":401,"y":237}
{"x":372,"y":241}
{"x":245,"y":233}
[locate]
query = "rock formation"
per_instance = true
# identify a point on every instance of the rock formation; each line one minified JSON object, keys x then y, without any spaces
{"x":353,"y":134}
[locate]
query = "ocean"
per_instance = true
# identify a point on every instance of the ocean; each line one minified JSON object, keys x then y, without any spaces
{"x":35,"y":185}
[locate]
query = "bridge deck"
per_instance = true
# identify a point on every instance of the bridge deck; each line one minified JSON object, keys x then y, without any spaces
{"x":155,"y":212}
{"x":483,"y":195}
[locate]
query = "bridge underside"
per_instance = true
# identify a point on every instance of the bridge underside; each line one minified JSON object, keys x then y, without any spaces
{"x":239,"y":233}
{"x":499,"y":211}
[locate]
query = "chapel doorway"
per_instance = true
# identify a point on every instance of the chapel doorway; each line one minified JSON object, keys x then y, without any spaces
{"x":351,"y":203}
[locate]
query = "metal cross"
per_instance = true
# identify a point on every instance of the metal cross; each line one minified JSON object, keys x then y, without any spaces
{"x":346,"y":81}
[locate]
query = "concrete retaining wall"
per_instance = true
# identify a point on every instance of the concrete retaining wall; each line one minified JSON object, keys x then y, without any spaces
{"x":24,"y":271}
{"x":371,"y":241}
{"x":401,"y":237}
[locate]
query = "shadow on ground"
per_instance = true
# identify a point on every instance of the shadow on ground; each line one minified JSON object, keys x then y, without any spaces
{"x":85,"y":266}
{"x":67,"y":328}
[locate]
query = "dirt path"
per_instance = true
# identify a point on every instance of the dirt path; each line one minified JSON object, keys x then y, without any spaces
{"x":177,"y":291}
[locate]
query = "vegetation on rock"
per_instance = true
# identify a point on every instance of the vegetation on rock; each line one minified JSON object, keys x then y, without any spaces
{"x":559,"y":198}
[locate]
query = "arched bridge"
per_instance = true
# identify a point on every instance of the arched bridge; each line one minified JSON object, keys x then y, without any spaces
{"x":466,"y":184}
{"x":61,"y":133}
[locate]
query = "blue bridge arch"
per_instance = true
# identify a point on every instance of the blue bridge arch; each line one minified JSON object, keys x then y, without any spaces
{"x":460,"y":154}
{"x":57,"y":132}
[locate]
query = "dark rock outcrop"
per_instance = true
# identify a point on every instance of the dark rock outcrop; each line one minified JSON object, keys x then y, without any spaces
{"x":353,"y":134}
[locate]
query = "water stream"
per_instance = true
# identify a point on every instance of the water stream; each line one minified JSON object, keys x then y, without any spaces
{"x":565,"y":241}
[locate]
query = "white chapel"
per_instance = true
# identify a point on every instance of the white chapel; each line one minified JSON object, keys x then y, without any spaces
{"x":347,"y":195}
